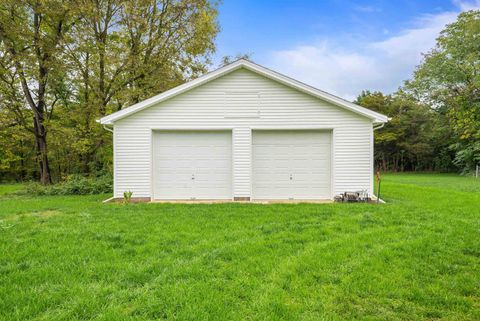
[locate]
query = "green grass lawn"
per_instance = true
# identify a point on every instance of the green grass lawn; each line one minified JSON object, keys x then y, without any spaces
{"x":415,"y":258}
{"x":9,"y":188}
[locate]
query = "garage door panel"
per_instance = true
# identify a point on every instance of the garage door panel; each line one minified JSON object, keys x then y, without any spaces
{"x":206,"y":151}
{"x":313,"y":152}
{"x":174,"y":177}
{"x":177,"y":151}
{"x":268,"y":149}
{"x":171,"y":193}
{"x":280,"y":193}
{"x":268,"y":175}
{"x":309,"y":177}
{"x":212,"y":165}
{"x":192,"y":165}
{"x":273,"y":164}
{"x":211,"y":178}
{"x":291,"y":164}
{"x":179,"y":164}
{"x":209,"y":194}
{"x":313,"y":149}
{"x":306,"y":194}
{"x":302,"y":164}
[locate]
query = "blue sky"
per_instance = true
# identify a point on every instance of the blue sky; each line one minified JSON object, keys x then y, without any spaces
{"x":340,"y":46}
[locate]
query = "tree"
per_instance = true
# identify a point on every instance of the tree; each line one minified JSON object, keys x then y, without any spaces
{"x":226,"y":60}
{"x":413,"y":139}
{"x":127,"y":51}
{"x":16,"y":147}
{"x":31,"y":37}
{"x":448,"y":81}
{"x":65,"y":64}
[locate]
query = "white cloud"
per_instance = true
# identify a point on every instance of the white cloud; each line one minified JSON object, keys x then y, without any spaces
{"x":329,"y":68}
{"x":346,"y":70}
{"x":467,"y":5}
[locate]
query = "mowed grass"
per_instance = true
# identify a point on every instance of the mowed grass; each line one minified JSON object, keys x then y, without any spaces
{"x":415,"y":258}
{"x":9,"y":188}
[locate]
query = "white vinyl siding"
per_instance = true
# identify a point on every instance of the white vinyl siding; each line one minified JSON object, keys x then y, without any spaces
{"x":235,"y":106}
{"x":242,"y":154}
{"x":279,"y":107}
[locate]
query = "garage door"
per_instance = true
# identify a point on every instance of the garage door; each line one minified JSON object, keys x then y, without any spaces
{"x":291,"y":164}
{"x":192,"y":165}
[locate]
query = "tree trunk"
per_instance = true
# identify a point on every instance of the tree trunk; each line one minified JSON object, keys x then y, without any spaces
{"x":42,"y":152}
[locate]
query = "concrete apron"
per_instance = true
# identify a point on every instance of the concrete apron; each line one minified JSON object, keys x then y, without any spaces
{"x":145,"y":200}
{"x":148,"y":200}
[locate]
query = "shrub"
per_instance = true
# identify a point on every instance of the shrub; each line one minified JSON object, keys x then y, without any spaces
{"x":127,"y":196}
{"x":72,"y":185}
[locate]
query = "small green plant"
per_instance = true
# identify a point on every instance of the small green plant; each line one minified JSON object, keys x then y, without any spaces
{"x":127,"y":196}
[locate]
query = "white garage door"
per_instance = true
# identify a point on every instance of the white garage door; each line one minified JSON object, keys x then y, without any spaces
{"x":192,"y":165}
{"x":291,"y":164}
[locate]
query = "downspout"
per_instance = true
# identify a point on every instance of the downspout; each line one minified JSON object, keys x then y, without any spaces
{"x":108,"y":129}
{"x":379,"y":200}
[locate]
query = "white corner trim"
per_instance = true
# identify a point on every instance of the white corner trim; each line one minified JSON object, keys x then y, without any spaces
{"x":242,"y":63}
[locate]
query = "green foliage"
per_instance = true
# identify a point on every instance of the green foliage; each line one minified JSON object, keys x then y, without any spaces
{"x":436,"y":117}
{"x":98,"y":57}
{"x":449,"y":81}
{"x":468,"y":156}
{"x":415,"y":258}
{"x":33,"y":66}
{"x":127,"y":196}
{"x":414,"y":138}
{"x":226,"y":60}
{"x":72,"y":185}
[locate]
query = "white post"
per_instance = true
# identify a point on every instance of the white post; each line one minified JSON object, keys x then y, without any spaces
{"x":477,"y":171}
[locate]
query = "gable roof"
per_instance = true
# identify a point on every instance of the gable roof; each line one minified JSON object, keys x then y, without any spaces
{"x":242,"y":63}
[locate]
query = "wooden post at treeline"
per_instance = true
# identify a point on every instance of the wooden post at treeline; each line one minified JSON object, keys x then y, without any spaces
{"x":379,"y":179}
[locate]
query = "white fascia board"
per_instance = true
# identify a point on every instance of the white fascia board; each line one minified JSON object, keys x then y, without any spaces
{"x":376,"y":117}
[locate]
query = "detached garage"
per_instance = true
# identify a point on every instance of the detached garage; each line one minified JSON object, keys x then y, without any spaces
{"x":243,"y":132}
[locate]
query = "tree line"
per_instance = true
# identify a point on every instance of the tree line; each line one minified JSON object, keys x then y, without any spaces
{"x":435,"y":116}
{"x":66,"y":63}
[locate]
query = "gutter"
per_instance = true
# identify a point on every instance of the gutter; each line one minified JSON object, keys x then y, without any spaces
{"x":107,"y":129}
{"x":379,"y":126}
